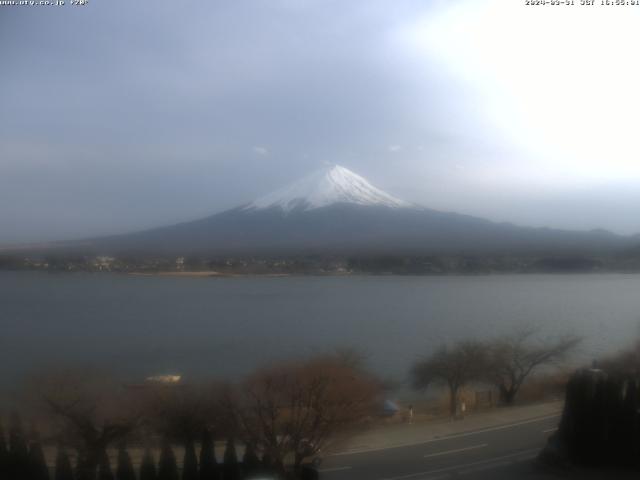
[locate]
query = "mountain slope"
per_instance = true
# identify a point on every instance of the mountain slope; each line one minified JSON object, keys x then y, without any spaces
{"x":335,"y":211}
{"x":347,"y":229}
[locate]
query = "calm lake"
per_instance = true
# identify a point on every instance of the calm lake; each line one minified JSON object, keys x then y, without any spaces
{"x":142,"y":326}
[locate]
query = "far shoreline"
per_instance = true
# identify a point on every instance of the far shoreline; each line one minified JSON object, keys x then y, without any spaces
{"x":216,"y":274}
{"x":343,"y":274}
{"x":205,"y":274}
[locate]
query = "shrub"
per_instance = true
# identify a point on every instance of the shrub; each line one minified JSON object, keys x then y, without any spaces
{"x":63,"y":469}
{"x":167,"y":468}
{"x":37,"y":464}
{"x":209,"y":468}
{"x":125,"y":469}
{"x":148,"y":466}
{"x":190,"y":463}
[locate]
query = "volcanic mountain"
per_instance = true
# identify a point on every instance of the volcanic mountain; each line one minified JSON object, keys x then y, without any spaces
{"x":324,"y":188}
{"x":335,"y":211}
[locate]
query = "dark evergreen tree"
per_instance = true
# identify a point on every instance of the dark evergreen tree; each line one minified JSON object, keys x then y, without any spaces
{"x":4,"y":454}
{"x":209,"y":468}
{"x":104,"y":467}
{"x":37,"y":464}
{"x":63,"y":470}
{"x":148,"y":466}
{"x":231,"y":468}
{"x":190,"y":463}
{"x":250,"y":461}
{"x":86,"y":467}
{"x":18,"y":458}
{"x":167,"y":469}
{"x":125,"y":470}
{"x":266,"y":466}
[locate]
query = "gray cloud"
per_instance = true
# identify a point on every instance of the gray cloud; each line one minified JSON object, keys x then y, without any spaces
{"x":125,"y":115}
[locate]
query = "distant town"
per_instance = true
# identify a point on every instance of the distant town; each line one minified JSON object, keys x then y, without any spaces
{"x":323,"y":265}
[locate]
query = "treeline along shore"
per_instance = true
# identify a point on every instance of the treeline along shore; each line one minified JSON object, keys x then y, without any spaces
{"x":324,"y":265}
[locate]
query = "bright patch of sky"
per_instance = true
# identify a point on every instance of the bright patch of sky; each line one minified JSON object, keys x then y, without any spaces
{"x":558,"y":83}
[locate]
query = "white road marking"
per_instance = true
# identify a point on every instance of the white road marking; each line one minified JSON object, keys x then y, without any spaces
{"x":474,"y":447}
{"x":498,"y":461}
{"x":467,"y":467}
{"x":446,"y":437}
{"x":548,"y":430}
{"x":333,"y":469}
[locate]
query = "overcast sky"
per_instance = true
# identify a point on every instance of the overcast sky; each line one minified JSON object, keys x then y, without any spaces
{"x":123,"y":115}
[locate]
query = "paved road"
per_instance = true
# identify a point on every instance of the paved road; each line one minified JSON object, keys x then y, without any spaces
{"x":502,"y":451}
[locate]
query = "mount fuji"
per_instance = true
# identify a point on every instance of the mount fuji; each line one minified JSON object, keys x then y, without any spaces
{"x":335,"y":211}
{"x":326,"y":187}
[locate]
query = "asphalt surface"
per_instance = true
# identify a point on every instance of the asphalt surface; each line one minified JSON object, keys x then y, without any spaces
{"x":499,"y":452}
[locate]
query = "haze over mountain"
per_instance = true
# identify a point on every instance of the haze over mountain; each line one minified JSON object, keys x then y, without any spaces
{"x":162,"y":122}
{"x":336,"y":211}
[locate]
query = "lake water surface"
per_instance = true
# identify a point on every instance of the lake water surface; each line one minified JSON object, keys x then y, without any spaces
{"x":226,"y":326}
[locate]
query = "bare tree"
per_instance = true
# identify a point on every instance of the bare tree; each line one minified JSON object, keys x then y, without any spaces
{"x":291,"y":411}
{"x":182,"y":412}
{"x":351,"y":357}
{"x":513,"y":358}
{"x":452,"y":366}
{"x":89,"y":411}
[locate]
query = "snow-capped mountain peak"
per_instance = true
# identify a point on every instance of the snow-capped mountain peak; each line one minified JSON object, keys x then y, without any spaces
{"x":333,"y":184}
